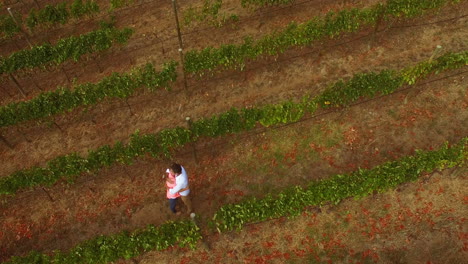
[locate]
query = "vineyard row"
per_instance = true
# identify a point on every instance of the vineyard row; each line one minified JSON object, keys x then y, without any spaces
{"x":65,"y":99}
{"x":65,"y":49}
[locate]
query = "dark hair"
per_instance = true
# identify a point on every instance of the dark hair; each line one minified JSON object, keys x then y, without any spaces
{"x":176,"y":168}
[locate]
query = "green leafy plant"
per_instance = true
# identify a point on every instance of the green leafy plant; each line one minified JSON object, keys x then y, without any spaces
{"x":248,"y":3}
{"x":65,"y":49}
{"x":50,"y":14}
{"x":209,"y":13}
{"x":60,"y":13}
{"x":8,"y":26}
{"x":114,"y":4}
{"x":450,"y":61}
{"x":66,"y":99}
{"x":79,"y":9}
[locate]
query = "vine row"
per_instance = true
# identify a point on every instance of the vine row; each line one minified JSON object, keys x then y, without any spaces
{"x":66,"y":99}
{"x":235,"y":56}
{"x":261,"y":3}
{"x":209,"y":11}
{"x":61,"y":13}
{"x":50,"y":15}
{"x":65,"y":49}
{"x":8,"y":26}
{"x":340,"y":94}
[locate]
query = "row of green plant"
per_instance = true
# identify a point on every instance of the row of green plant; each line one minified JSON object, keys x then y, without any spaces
{"x":333,"y":24}
{"x":105,"y":249}
{"x":259,"y":3}
{"x":290,"y":202}
{"x":48,"y":16}
{"x":66,"y":99}
{"x":114,"y":4}
{"x":60,"y":13}
{"x":357,"y":184}
{"x":65,"y":49}
{"x":209,"y":12}
{"x":8,"y":27}
{"x":340,"y":94}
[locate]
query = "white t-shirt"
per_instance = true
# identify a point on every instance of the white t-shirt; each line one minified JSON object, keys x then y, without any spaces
{"x":181,"y":183}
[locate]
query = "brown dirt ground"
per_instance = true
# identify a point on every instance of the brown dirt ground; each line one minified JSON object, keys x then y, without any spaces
{"x":130,"y":197}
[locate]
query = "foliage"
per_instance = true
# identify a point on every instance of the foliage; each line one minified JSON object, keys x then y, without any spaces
{"x":66,"y":99}
{"x":233,"y":121}
{"x":361,"y":85}
{"x":65,"y":49}
{"x":79,"y":9}
{"x":208,"y":9}
{"x":119,"y":3}
{"x":449,"y":61}
{"x":105,"y":249}
{"x":60,"y":13}
{"x":341,"y":186}
{"x":8,"y":26}
{"x":332,"y":25}
{"x":247,"y":3}
{"x":49,"y":15}
{"x":208,"y":12}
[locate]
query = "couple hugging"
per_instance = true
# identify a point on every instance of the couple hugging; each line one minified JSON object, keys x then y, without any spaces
{"x":177,"y":186}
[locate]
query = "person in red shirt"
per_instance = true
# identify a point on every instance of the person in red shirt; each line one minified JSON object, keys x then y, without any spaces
{"x":172,"y":198}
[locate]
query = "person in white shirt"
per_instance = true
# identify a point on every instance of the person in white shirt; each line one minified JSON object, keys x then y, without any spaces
{"x":181,"y":185}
